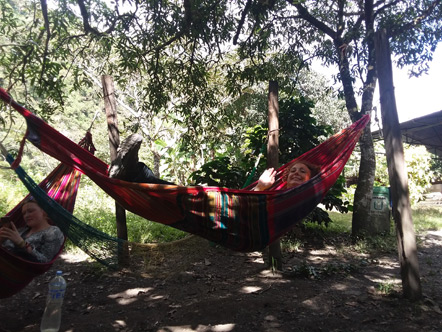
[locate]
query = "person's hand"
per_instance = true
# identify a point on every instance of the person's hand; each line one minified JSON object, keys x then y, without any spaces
{"x":266,"y":180}
{"x":12,"y":234}
{"x":5,"y":221}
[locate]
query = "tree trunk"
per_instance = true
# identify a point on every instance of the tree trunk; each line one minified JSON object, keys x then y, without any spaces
{"x":397,"y":173}
{"x":364,"y":190}
{"x":110,"y":105}
{"x":275,"y":255}
{"x":367,"y":167}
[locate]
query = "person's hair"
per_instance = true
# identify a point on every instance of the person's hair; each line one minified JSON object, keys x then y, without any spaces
{"x":29,"y":199}
{"x":314,"y":169}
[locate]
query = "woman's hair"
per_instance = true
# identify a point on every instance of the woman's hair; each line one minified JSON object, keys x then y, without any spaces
{"x":314,"y":169}
{"x":29,"y":199}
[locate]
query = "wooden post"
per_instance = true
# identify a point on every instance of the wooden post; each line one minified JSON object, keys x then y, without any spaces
{"x":406,"y":239}
{"x":275,"y":256}
{"x":110,"y":105}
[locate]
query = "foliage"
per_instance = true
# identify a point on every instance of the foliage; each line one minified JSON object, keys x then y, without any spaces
{"x":418,"y":167}
{"x":342,"y":34}
{"x":436,"y":168}
{"x":419,"y":171}
{"x":299,"y":131}
{"x":219,"y":172}
{"x":298,"y":134}
{"x":329,"y":107}
{"x":180,"y":63}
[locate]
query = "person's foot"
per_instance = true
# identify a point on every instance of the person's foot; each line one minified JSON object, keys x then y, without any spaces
{"x":127,"y":157}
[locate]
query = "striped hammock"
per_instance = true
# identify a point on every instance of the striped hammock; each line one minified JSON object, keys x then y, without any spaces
{"x":239,"y":219}
{"x":15,"y":272}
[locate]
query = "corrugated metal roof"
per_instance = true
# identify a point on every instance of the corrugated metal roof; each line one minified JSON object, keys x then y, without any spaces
{"x":426,"y":130}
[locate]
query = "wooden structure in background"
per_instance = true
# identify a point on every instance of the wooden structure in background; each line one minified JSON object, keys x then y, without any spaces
{"x":110,"y":105}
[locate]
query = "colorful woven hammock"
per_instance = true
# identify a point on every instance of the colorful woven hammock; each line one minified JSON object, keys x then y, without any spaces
{"x":60,"y":187}
{"x":16,"y":272}
{"x":239,"y":219}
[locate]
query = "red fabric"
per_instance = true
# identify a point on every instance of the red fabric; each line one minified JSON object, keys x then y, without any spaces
{"x":242,"y":220}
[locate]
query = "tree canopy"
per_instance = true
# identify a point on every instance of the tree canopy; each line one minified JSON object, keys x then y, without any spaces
{"x":189,"y":62}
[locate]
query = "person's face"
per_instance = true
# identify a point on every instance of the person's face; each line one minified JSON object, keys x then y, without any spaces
{"x":33,"y":214}
{"x":298,"y":174}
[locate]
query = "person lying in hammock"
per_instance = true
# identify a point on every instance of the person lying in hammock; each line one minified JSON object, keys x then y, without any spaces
{"x":294,"y":175}
{"x":127,"y":167}
{"x":38,"y":241}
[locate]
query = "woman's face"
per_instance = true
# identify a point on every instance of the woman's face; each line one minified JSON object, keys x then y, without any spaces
{"x":33,"y":214}
{"x":298,"y":174}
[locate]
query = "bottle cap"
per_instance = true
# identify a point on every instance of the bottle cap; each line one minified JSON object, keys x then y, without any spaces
{"x":59,"y":273}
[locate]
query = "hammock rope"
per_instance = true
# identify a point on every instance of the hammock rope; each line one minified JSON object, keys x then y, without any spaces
{"x":239,"y":219}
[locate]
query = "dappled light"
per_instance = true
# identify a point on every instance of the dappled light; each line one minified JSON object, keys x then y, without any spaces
{"x":250,"y":289}
{"x":130,"y":295}
{"x":200,"y":328}
{"x":80,"y":256}
{"x":193,"y":286}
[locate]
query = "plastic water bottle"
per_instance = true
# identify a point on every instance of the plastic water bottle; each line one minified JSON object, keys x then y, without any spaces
{"x":51,"y":320}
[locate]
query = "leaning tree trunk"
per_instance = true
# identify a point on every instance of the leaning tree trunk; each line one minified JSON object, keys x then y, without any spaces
{"x":110,"y":103}
{"x":397,"y":172}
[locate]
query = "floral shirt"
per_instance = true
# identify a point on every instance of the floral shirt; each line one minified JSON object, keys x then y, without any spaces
{"x":45,"y":244}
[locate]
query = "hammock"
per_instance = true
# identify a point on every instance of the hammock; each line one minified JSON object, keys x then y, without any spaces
{"x":59,"y":187}
{"x":239,"y":219}
{"x":16,"y":272}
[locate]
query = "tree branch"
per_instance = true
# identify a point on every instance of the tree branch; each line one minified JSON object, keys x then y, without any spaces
{"x":241,"y":21}
{"x":44,"y":10}
{"x":303,"y":12}
{"x":85,"y":15}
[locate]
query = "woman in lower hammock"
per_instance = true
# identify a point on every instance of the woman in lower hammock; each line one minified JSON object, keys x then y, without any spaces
{"x":295,"y":174}
{"x":38,"y":241}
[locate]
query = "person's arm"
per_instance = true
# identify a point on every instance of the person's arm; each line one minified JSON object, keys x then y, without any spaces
{"x":43,"y":246}
{"x":266,"y":180}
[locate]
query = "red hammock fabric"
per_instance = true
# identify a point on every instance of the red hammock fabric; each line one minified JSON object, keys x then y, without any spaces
{"x":62,"y":186}
{"x":241,"y":220}
{"x":16,"y":272}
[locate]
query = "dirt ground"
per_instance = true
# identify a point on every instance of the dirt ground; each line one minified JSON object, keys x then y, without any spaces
{"x":193,"y":286}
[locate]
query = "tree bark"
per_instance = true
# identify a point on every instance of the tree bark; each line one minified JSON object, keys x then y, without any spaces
{"x":275,"y":255}
{"x":363,"y":194}
{"x":110,"y":105}
{"x":397,"y":173}
{"x":367,"y":167}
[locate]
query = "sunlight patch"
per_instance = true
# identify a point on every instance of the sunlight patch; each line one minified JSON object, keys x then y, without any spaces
{"x":129,"y":295}
{"x":119,"y":324}
{"x":74,"y":256}
{"x":187,"y":328}
{"x":250,"y":289}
